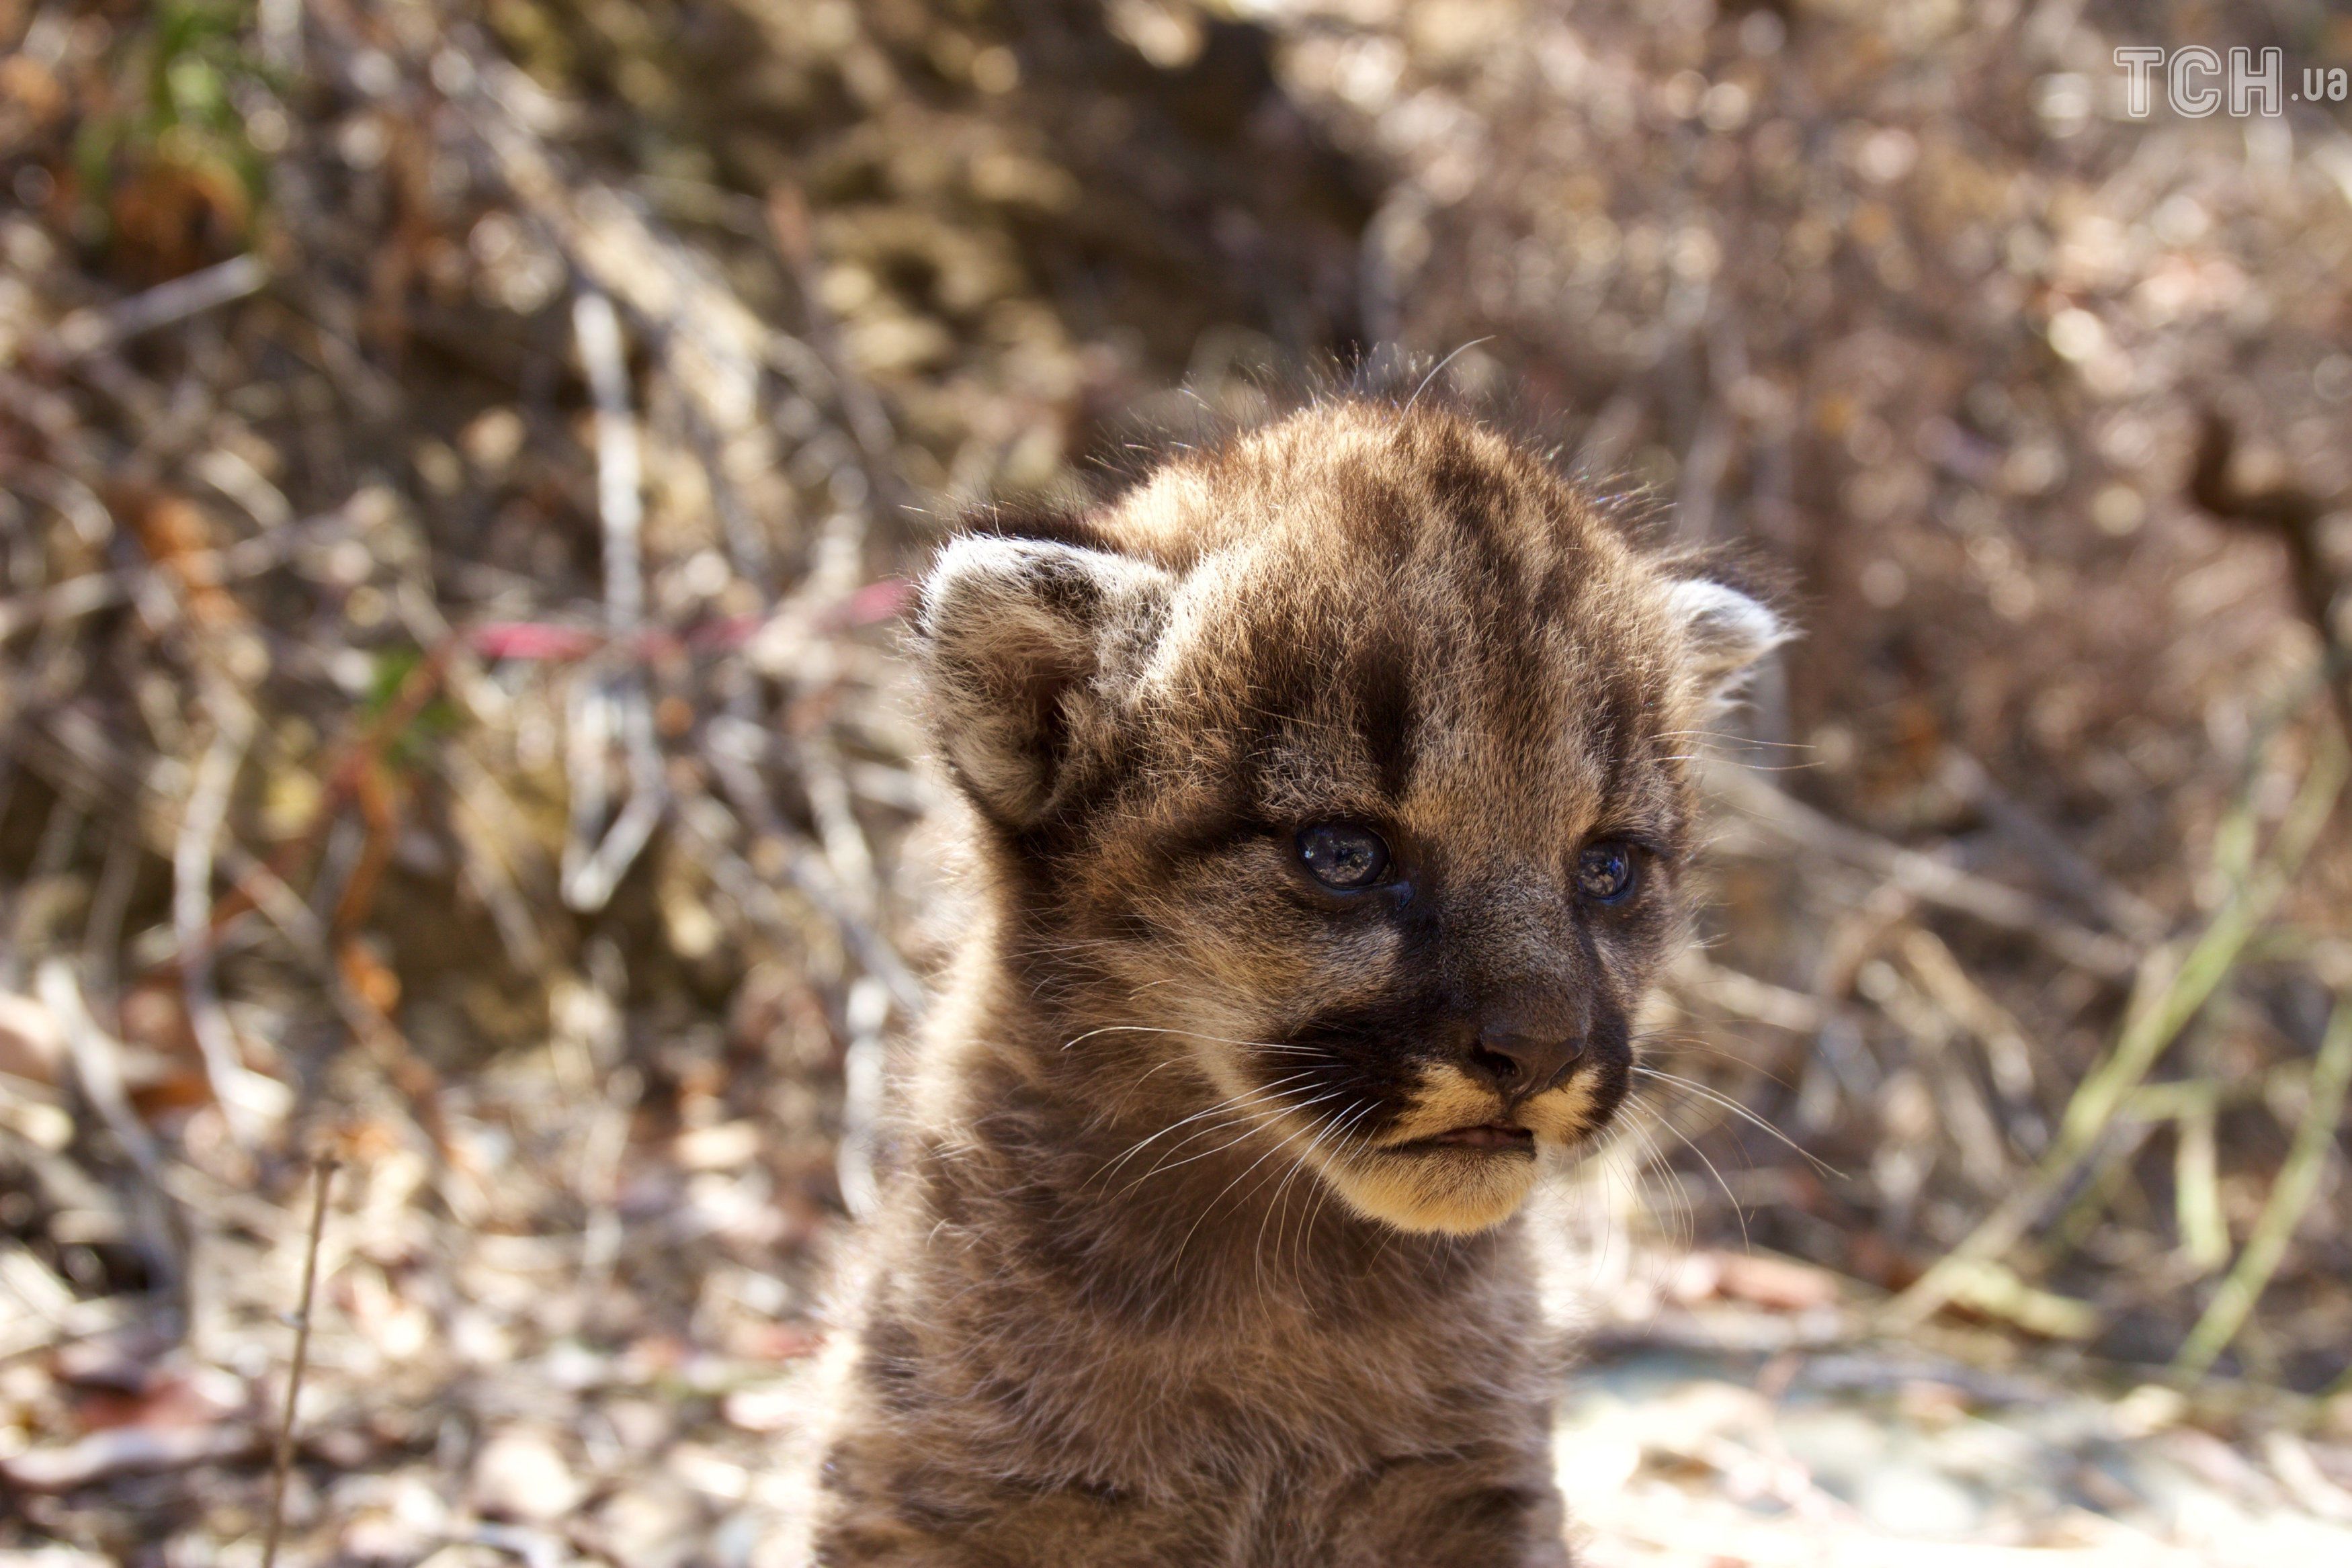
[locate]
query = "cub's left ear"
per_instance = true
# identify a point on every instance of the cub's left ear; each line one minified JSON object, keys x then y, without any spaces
{"x":1725,"y":633}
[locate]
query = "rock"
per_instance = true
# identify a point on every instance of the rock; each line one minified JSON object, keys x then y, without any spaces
{"x":1914,"y":1501}
{"x":650,"y":1526}
{"x":52,"y":1557}
{"x":770,"y":1407}
{"x":725,"y":1147}
{"x":521,"y":1473}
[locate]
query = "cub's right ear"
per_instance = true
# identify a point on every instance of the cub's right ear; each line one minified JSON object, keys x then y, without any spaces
{"x":1725,"y":633}
{"x":1030,"y":646}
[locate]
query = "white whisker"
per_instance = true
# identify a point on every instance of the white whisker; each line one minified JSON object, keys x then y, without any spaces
{"x":1745,"y":1114}
{"x":1221,"y":1105}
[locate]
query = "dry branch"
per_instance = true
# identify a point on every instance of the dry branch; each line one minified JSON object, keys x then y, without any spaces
{"x":2295,"y":516}
{"x":282,"y":1463}
{"x":609,"y":708}
{"x":2290,"y":1200}
{"x":2167,"y":998}
{"x":1922,"y":876}
{"x":88,"y":332}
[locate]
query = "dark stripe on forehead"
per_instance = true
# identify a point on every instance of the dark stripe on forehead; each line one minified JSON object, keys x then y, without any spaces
{"x":1634,"y":709}
{"x":1467,"y":485}
{"x":1617,"y":730}
{"x":1277,"y":661}
{"x":1381,"y":520}
{"x":1382,"y":695}
{"x":1523,"y":693}
{"x":1513,"y":589}
{"x":1508,"y":517}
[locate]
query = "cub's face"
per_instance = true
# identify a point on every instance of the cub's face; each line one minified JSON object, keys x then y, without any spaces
{"x":1344,"y":774}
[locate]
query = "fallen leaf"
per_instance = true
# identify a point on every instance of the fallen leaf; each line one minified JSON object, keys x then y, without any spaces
{"x":32,"y":1046}
{"x":1779,"y":1284}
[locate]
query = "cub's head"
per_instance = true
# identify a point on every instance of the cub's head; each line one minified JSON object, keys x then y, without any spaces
{"x":1341,"y":775}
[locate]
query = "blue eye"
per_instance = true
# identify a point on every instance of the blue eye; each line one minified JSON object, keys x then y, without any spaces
{"x":1344,"y":856}
{"x":1605,"y":871}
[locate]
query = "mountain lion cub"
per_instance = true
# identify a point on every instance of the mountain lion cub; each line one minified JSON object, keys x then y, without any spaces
{"x":1330,"y":802}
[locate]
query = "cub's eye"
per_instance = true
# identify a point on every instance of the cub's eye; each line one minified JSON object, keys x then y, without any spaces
{"x":1343,"y":855}
{"x":1605,"y":871}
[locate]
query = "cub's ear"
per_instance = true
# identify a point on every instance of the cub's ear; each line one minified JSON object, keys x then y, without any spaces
{"x":1725,"y":632}
{"x":1030,"y":645}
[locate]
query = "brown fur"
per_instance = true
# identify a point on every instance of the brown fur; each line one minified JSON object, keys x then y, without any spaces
{"x":1161,"y":1283}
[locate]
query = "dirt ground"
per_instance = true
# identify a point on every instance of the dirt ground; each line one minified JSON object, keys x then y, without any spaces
{"x":460,"y":467}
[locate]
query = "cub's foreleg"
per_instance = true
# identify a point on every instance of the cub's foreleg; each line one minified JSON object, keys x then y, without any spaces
{"x":1481,"y":1510}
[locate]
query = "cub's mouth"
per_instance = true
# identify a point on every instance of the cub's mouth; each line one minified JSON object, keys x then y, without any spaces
{"x":1481,"y":1137}
{"x":1459,"y":1157}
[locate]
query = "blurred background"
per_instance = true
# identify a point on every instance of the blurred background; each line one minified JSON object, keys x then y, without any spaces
{"x":459,"y":469}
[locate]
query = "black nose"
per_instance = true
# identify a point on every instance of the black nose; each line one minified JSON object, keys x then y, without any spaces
{"x":1523,"y":1062}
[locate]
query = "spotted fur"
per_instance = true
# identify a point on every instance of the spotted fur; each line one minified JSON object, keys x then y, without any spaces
{"x":1172,"y":1275}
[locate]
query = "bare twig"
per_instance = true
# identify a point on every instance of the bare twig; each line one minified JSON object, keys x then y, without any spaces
{"x":2210,"y":961}
{"x":489,"y":838}
{"x":2118,"y":906}
{"x":1960,"y":1103}
{"x":113,"y":1452}
{"x":2291,"y":1195}
{"x":620,"y":500}
{"x":596,"y":857}
{"x":97,"y":1060}
{"x":87,"y":332}
{"x":2007,"y":1052}
{"x":2295,"y":516}
{"x":867,"y":1012}
{"x":2167,"y":998}
{"x":710,"y":341}
{"x":2197,"y":1186}
{"x":1924,"y":877}
{"x":869,"y":422}
{"x":600,"y":1177}
{"x":709,"y":820}
{"x":838,"y":830}
{"x":96,"y":590}
{"x":282,"y":1465}
{"x":1744,"y":996}
{"x":592,"y":865}
{"x":42,"y":1303}
{"x":247,"y":1098}
{"x":347,"y":775}
{"x":1990,"y":1288}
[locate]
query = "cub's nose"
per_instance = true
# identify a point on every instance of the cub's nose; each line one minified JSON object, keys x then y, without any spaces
{"x":1520,"y":1061}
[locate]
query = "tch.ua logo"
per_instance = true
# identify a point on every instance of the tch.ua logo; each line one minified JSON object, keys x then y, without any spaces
{"x":2197,"y":82}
